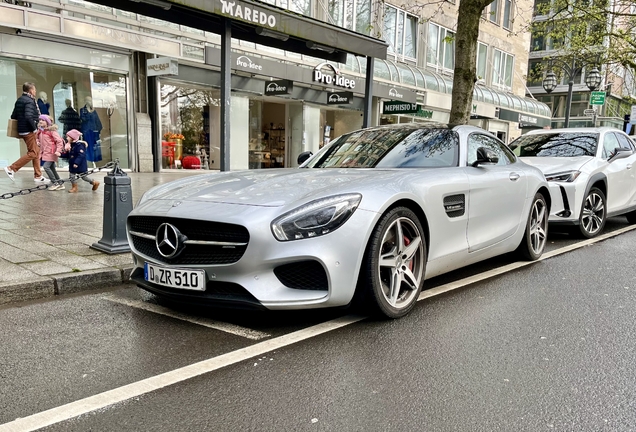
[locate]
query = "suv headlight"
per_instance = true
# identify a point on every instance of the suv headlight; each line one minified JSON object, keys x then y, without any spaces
{"x":316,"y":218}
{"x":566,"y":176}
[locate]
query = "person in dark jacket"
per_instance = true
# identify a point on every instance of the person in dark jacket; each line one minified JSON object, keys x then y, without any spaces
{"x":77,"y":159}
{"x":27,"y":114}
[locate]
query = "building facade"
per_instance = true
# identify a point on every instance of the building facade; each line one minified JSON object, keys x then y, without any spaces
{"x":147,"y":91}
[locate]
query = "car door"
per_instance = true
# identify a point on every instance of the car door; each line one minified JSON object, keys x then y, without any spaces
{"x":619,"y":172}
{"x":497,"y":194}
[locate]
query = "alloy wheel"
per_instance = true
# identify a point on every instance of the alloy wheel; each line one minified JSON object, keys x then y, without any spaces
{"x":401,"y":262}
{"x":538,"y":226}
{"x":593,"y":214}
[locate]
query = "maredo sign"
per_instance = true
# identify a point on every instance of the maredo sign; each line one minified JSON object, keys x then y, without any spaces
{"x":332,"y":77}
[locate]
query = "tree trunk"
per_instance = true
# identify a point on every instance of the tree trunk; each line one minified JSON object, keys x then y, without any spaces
{"x":469,"y":14}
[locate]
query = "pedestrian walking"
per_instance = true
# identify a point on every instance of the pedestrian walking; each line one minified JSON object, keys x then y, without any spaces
{"x":26,"y":112}
{"x":77,"y":159}
{"x":51,"y":147}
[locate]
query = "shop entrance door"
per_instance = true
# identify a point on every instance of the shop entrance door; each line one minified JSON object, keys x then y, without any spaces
{"x":295,"y":114}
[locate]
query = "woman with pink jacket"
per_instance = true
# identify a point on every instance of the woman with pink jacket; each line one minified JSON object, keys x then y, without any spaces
{"x":51,"y":146}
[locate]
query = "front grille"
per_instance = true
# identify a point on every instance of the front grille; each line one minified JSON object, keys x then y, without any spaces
{"x":194,"y":254}
{"x":305,"y":275}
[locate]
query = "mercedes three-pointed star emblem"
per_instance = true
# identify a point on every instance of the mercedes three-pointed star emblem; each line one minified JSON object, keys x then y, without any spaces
{"x":168,"y":240}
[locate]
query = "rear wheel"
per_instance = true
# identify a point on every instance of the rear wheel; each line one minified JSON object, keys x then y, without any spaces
{"x":534,"y":239}
{"x":394,"y":265}
{"x":631,"y":217}
{"x":593,"y":213}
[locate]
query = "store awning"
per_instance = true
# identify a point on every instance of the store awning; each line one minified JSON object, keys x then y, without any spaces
{"x":260,"y":23}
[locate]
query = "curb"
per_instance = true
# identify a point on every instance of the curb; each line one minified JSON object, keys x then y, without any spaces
{"x":64,"y":283}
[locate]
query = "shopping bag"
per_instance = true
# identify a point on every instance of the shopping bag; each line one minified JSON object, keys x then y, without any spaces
{"x":12,"y":129}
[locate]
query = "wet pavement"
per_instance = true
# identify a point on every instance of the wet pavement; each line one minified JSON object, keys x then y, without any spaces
{"x":45,"y":237}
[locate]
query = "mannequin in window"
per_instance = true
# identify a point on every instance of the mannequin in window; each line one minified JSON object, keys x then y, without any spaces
{"x":43,"y":103}
{"x":91,"y":127}
{"x":70,"y":118}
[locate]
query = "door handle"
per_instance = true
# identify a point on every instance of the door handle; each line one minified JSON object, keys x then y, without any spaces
{"x":514,"y":176}
{"x":629,"y":166}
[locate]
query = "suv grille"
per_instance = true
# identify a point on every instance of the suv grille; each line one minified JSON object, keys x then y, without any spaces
{"x":305,"y":275}
{"x":197,"y":254}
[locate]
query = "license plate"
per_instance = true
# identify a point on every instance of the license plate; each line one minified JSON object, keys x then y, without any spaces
{"x":175,"y":278}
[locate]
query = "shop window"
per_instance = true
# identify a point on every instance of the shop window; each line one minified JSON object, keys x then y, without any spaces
{"x":350,"y":14}
{"x":93,"y":102}
{"x":502,"y":69}
{"x":190,"y":122}
{"x":441,"y":47}
{"x":400,"y":31}
{"x":482,"y":58}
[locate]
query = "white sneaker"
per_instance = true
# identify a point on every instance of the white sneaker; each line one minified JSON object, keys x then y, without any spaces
{"x":41,"y":180}
{"x":9,"y":173}
{"x":54,"y":187}
{"x":60,"y":186}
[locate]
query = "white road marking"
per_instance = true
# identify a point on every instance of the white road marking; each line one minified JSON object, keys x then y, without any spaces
{"x":120,"y":394}
{"x":105,"y":399}
{"x":217,"y":325}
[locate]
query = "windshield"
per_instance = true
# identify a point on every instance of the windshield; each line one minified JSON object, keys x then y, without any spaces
{"x":391,"y":148}
{"x":564,"y":144}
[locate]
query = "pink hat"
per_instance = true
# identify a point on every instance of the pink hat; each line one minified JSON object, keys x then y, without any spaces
{"x":46,"y":118}
{"x":74,"y":134}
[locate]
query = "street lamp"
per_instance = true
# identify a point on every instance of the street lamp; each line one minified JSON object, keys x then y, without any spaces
{"x":592,"y":80}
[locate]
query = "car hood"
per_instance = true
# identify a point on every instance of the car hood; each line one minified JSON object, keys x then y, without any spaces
{"x":551,"y":165}
{"x":268,"y":188}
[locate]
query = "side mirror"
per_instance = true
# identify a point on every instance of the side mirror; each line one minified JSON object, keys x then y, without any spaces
{"x":620,"y":153}
{"x":484,"y":157}
{"x":304,"y":156}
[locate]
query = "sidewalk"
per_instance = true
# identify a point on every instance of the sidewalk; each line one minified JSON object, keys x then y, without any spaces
{"x":45,"y":237}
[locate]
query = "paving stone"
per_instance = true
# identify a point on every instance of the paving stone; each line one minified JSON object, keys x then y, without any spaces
{"x":87,"y":280}
{"x":14,"y":272}
{"x":33,"y":288}
{"x":46,"y":268}
{"x":9,"y":225}
{"x":113,"y":260}
{"x":80,"y":249}
{"x":15,"y":255}
{"x":75,"y":261}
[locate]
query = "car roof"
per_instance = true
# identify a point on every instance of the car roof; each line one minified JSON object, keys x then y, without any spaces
{"x":603,"y":129}
{"x":430,"y":125}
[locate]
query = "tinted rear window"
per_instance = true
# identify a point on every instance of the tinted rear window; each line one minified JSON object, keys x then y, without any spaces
{"x":556,"y":144}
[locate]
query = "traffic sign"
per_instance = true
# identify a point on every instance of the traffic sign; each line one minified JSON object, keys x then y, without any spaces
{"x":589,"y":112}
{"x":597,"y":98}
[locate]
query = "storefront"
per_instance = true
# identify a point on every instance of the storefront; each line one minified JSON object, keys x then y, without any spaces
{"x":278,"y":111}
{"x":72,"y":90}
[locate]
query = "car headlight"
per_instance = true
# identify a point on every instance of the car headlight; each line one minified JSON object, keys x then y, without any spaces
{"x":316,"y":218}
{"x":567,"y":176}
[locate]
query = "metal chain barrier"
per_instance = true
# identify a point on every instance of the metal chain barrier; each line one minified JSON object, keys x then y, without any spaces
{"x":72,"y":177}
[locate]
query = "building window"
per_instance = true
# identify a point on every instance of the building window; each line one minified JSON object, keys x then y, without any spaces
{"x":482,"y":59}
{"x":502,"y":69}
{"x":441,"y":47}
{"x":400,"y":31}
{"x":350,"y":14}
{"x":507,"y":14}
{"x":494,"y":11}
{"x":299,"y":6}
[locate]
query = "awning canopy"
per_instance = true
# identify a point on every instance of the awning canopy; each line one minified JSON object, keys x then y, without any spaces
{"x":260,"y":23}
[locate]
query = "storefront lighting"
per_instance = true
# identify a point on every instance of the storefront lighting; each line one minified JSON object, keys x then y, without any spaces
{"x":159,"y":3}
{"x":271,"y":33}
{"x":325,"y":48}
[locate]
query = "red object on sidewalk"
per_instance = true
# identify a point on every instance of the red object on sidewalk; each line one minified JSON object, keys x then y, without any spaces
{"x":191,"y":162}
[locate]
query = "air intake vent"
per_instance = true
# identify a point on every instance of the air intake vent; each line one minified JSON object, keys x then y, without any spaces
{"x":304,"y":275}
{"x":455,"y":205}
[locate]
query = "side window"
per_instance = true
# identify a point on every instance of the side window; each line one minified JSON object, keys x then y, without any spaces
{"x":610,"y":143}
{"x":625,"y":142}
{"x":477,"y":140}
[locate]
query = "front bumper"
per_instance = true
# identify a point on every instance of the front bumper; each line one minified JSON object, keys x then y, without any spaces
{"x":256,"y":279}
{"x":565,"y":207}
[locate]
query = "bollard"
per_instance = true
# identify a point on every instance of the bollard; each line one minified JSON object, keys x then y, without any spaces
{"x":117,"y":206}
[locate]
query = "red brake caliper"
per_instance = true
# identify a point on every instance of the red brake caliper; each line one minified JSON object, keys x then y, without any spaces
{"x":406,"y":243}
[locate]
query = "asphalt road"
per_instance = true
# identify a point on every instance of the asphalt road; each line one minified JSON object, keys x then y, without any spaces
{"x":549,"y":346}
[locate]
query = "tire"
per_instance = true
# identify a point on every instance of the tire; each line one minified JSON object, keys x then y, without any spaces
{"x":536,"y":231}
{"x":392,"y":273}
{"x":631,"y":217}
{"x":593,"y":213}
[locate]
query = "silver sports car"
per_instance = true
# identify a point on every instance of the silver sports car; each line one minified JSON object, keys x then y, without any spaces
{"x":368,"y":218}
{"x":589,"y":171}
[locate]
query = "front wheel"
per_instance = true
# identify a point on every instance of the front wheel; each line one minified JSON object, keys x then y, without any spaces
{"x":534,"y":239}
{"x":392,"y":273}
{"x":593,"y":213}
